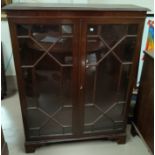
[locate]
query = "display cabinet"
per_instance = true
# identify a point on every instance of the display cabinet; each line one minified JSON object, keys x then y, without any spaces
{"x":76,"y":67}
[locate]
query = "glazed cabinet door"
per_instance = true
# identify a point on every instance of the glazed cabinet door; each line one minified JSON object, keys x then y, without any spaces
{"x":109,"y":59}
{"x":48,"y":69}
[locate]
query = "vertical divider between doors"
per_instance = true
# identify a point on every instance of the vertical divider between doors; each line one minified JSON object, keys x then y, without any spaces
{"x":79,"y":72}
{"x":82,"y":69}
{"x":76,"y":70}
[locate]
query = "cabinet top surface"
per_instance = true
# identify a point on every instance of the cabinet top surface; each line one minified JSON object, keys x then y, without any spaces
{"x":72,"y":7}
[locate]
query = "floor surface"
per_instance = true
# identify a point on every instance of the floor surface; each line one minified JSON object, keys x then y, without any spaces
{"x":14,"y":136}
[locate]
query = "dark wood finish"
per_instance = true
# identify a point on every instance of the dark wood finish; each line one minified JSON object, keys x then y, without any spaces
{"x":121,"y":140}
{"x":4,"y":146}
{"x":144,"y":114}
{"x":65,"y":57}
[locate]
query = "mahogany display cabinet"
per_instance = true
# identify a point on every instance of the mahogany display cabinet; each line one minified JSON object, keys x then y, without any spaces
{"x":76,"y":66}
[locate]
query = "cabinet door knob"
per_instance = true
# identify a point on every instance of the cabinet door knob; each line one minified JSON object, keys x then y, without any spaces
{"x":81,"y":87}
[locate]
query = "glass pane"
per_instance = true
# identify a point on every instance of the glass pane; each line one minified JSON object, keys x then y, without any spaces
{"x":66,"y":29}
{"x":47,"y":66}
{"x":125,"y":49}
{"x":92,"y":29}
{"x":110,"y":50}
{"x":29,"y":53}
{"x":62,"y":51}
{"x":23,"y":30}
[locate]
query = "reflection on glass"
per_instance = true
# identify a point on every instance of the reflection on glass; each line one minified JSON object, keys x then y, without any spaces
{"x":46,"y":62}
{"x":110,"y":50}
